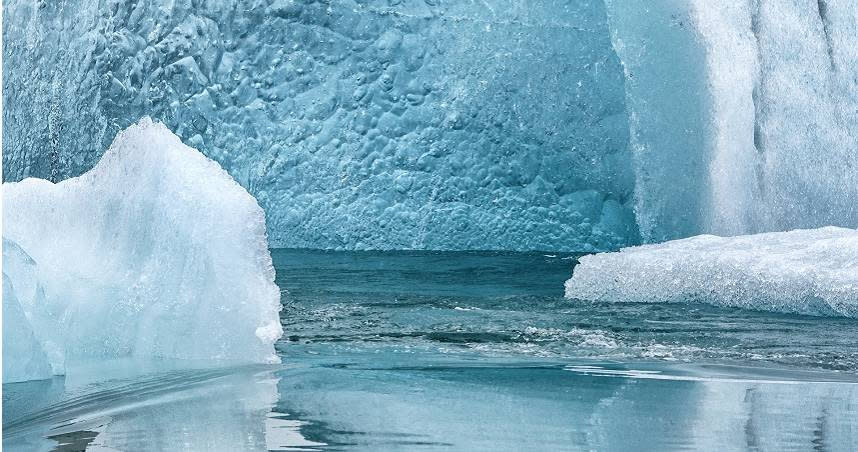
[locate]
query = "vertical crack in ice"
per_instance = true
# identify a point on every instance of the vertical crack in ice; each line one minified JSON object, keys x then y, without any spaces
{"x":822,"y":11}
{"x":758,"y":97}
{"x":835,"y":88}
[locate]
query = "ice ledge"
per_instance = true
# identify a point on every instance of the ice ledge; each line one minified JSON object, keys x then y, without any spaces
{"x":813,"y":271}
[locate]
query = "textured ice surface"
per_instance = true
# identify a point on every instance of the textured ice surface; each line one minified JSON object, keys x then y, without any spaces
{"x":508,"y":124}
{"x":666,"y":100}
{"x":154,"y":253}
{"x":356,"y":124}
{"x":743,"y":115}
{"x":803,"y":271}
{"x":785,"y":124}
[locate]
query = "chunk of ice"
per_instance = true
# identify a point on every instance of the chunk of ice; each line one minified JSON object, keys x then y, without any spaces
{"x":812,"y":271}
{"x":154,"y":253}
{"x":35,"y":313}
{"x":23,"y":356}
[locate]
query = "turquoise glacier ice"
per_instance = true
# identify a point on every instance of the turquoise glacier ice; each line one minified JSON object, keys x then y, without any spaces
{"x":411,"y":124}
{"x":746,"y":126}
{"x":355,"y":124}
{"x":155,"y":253}
{"x":429,"y":224}
{"x":501,"y":124}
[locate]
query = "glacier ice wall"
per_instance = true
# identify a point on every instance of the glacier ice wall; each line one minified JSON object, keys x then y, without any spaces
{"x":810,"y":271}
{"x":356,"y":123}
{"x":667,"y":101}
{"x":786,"y":126}
{"x":584,"y":125}
{"x":743,"y":114}
{"x":154,"y":253}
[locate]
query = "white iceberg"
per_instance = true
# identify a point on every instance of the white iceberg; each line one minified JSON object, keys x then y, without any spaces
{"x":812,"y":271}
{"x":155,"y":253}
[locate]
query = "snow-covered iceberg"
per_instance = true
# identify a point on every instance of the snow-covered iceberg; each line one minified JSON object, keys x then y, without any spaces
{"x":154,"y":253}
{"x":812,"y":271}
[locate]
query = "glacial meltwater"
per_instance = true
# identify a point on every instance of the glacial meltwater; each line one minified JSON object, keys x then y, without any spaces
{"x":468,"y":351}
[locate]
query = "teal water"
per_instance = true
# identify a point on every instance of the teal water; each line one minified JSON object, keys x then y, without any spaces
{"x":469,"y":351}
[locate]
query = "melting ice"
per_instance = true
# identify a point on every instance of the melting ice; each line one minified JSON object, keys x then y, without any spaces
{"x":154,"y":253}
{"x":811,"y":271}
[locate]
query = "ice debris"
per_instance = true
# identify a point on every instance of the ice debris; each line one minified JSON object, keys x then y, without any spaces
{"x":811,"y":271}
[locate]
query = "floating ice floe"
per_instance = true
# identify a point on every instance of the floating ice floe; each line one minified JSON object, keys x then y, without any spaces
{"x":813,"y":271}
{"x":155,"y":253}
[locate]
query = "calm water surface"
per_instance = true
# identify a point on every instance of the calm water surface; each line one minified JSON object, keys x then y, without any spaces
{"x":469,"y":351}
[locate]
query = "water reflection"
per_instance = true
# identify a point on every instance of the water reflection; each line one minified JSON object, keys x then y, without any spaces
{"x":468,"y":351}
{"x":409,"y":402}
{"x":220,"y":409}
{"x":504,"y":407}
{"x":283,"y":433}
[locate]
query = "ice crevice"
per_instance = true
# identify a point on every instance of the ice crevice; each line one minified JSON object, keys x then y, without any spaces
{"x":155,"y":253}
{"x":822,"y":10}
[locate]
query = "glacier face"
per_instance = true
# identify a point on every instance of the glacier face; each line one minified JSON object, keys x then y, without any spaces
{"x":154,"y":253}
{"x":666,"y":100}
{"x":743,"y":114}
{"x":356,"y":124}
{"x":500,"y":124}
{"x":810,"y":271}
{"x":787,"y":123}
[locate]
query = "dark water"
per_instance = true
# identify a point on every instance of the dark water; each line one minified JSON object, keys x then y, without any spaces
{"x":470,"y":351}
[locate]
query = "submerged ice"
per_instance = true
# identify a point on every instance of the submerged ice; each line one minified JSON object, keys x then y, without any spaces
{"x":802,"y":271}
{"x":154,"y":253}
